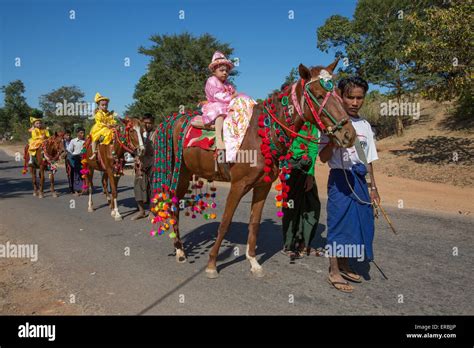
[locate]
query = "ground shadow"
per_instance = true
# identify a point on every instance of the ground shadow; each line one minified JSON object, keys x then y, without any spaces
{"x":199,"y":242}
{"x":439,"y":150}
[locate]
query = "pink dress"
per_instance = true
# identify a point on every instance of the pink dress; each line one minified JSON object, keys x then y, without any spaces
{"x":219,"y":96}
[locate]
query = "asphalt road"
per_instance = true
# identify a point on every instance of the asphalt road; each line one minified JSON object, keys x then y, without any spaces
{"x":86,"y":251}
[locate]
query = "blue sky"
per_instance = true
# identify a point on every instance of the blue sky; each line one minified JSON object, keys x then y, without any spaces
{"x":89,"y":51}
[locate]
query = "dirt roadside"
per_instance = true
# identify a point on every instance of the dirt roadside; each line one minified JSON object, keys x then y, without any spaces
{"x":30,"y":288}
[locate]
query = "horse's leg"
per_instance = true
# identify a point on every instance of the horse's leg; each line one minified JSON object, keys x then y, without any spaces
{"x":33,"y":180}
{"x":237,"y":191}
{"x":90,"y":182}
{"x":259,"y":196}
{"x":114,"y":185}
{"x":181,"y":190}
{"x":105,"y":188}
{"x":41,"y":174}
{"x":51,"y":179}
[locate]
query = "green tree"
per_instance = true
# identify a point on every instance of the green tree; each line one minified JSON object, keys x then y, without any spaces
{"x":15,"y":113}
{"x":176,"y":74}
{"x":373,"y":44}
{"x":64,"y":107}
{"x":442,"y":45}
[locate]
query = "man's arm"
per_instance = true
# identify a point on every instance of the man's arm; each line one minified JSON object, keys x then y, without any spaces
{"x":326,"y":153}
{"x":374,"y":195}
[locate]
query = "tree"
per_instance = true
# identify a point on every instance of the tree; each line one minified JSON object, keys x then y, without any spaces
{"x":15,"y":113}
{"x":374,"y":43}
{"x":64,"y":107}
{"x":176,"y":74}
{"x":442,"y":44}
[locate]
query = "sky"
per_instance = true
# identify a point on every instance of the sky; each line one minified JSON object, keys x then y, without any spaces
{"x":90,"y":50}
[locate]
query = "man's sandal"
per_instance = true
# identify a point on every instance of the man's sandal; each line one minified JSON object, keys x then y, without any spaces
{"x":340,"y":288}
{"x":347,"y":276}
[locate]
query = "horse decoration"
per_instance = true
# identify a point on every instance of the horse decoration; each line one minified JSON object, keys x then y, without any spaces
{"x":110,"y":161}
{"x":45,"y":159}
{"x":273,"y":126}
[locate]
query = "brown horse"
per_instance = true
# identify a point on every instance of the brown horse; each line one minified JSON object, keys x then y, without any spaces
{"x":110,"y":159}
{"x":244,"y":177}
{"x":46,"y":156}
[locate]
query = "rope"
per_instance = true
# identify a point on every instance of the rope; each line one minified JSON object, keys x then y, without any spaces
{"x":349,"y":184}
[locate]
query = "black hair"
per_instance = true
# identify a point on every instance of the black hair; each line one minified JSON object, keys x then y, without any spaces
{"x":80,"y":129}
{"x":148,"y":116}
{"x":348,"y":83}
{"x":67,"y":131}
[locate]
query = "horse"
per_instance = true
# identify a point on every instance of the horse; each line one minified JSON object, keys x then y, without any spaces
{"x":45,"y":158}
{"x":109,"y":160}
{"x":331,"y":118}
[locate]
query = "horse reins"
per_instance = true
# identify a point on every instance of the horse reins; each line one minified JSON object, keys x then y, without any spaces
{"x":127,"y":138}
{"x":308,"y":97}
{"x":45,"y":152}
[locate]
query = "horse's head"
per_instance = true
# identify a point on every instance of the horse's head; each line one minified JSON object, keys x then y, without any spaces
{"x":133,"y":132}
{"x":323,"y":105}
{"x":54,"y":145}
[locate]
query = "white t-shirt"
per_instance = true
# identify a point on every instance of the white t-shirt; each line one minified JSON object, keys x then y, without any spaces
{"x":349,"y":155}
{"x":75,"y":146}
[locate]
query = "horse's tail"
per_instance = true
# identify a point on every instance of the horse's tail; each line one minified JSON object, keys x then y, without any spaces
{"x":84,"y":168}
{"x":167,"y":163}
{"x":165,"y":172}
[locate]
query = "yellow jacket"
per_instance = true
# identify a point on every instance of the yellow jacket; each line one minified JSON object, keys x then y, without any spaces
{"x":38,"y":135}
{"x":100,"y":128}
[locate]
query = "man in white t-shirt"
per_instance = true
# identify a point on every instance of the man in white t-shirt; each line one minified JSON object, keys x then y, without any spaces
{"x":74,"y":150}
{"x":350,"y":225}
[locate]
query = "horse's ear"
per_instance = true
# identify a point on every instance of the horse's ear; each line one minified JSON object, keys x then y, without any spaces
{"x":305,"y":74}
{"x":333,"y":65}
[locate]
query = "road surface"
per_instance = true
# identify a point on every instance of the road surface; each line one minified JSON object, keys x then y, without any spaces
{"x":87,"y":253}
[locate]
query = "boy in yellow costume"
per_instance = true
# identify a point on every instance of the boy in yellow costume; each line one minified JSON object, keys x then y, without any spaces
{"x":38,"y":135}
{"x":102,"y":131}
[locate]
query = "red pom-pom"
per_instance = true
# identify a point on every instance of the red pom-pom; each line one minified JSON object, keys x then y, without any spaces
{"x":279,"y":198}
{"x":268,"y":162}
{"x":267,"y":179}
{"x":267,"y":169}
{"x":302,"y":146}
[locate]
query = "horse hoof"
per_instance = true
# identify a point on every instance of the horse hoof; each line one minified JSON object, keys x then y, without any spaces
{"x":90,"y":210}
{"x":112,"y":213}
{"x":180,"y":256}
{"x":211,"y":273}
{"x":35,"y":194}
{"x":258,"y":273}
{"x":118,"y":218}
{"x":41,"y":195}
{"x":55,"y":195}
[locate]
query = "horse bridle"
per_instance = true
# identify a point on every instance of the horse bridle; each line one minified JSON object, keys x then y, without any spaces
{"x":308,"y":97}
{"x":129,"y":147}
{"x":45,"y":152}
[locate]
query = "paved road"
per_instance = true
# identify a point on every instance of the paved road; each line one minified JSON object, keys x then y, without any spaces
{"x":86,"y":251}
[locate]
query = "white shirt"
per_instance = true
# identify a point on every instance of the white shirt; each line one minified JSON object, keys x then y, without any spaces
{"x":349,"y":155}
{"x":75,"y":146}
